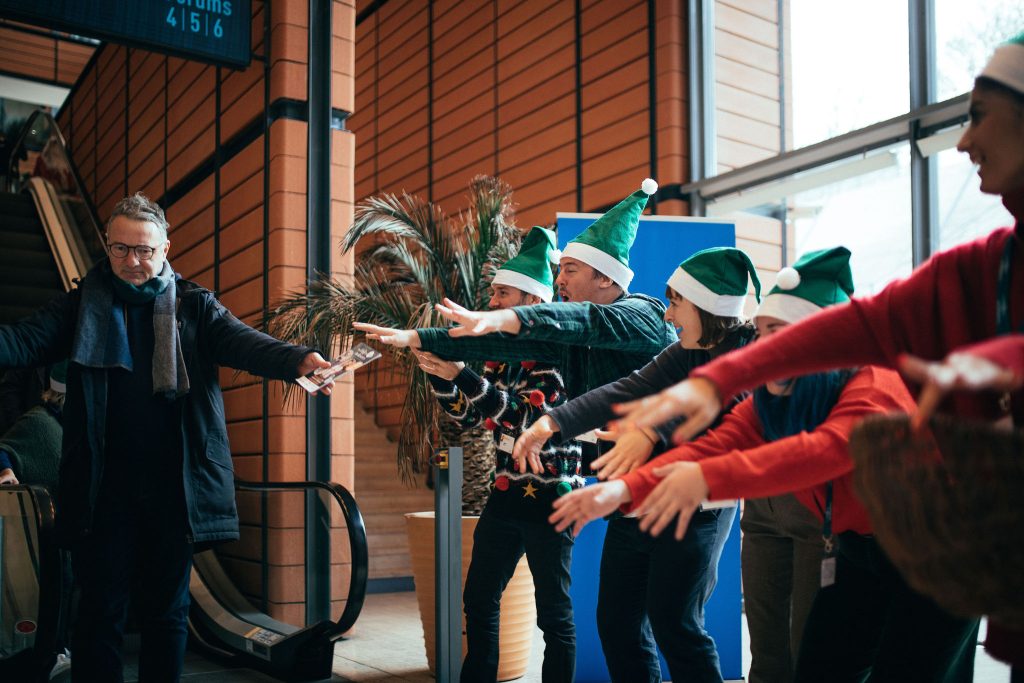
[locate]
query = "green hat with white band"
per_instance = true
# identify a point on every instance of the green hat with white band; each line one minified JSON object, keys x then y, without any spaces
{"x":1007,"y":64}
{"x":605,"y":245}
{"x":715,"y":280}
{"x":530,"y":270}
{"x":818,"y":279}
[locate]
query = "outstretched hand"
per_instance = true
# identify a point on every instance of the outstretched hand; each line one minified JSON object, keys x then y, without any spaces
{"x":679,"y":494}
{"x":390,"y":335}
{"x":584,"y":505}
{"x":477,"y":323}
{"x":695,"y":399}
{"x":7,"y":477}
{"x":526,"y":451}
{"x":632,"y":449}
{"x":314,"y":361}
{"x":957,"y":371}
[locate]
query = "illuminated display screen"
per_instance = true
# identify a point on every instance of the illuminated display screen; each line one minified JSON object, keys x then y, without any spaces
{"x":217,"y":31}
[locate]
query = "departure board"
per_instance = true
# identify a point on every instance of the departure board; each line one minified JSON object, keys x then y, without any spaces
{"x":215,"y":31}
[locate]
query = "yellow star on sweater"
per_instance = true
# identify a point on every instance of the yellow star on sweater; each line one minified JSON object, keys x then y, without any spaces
{"x":529,"y":491}
{"x":457,"y":406}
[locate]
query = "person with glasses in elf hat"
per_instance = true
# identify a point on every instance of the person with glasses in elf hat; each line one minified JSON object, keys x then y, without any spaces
{"x":660,"y":586}
{"x":598,"y":334}
{"x":791,"y":436}
{"x":508,"y":398}
{"x":146,"y":471}
{"x":955,"y":326}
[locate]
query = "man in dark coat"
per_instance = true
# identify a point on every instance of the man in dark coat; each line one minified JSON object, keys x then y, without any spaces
{"x":146,"y":473}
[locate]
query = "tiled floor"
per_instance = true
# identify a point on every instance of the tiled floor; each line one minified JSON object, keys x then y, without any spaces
{"x":387,"y":645}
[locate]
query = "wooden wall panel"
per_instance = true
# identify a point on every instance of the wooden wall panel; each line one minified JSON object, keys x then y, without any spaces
{"x":49,"y":59}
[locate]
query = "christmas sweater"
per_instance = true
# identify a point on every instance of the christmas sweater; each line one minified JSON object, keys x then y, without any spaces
{"x":737,"y":462}
{"x":507,"y":399}
{"x":948,"y":304}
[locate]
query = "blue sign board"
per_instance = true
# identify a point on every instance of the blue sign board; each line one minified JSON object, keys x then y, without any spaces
{"x":216,"y":31}
{"x":662,"y":242}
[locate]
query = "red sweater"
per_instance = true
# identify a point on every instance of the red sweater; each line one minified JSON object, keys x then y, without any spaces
{"x":737,"y":462}
{"x":947,"y":304}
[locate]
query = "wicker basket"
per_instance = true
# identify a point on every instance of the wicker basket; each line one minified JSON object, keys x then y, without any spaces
{"x":947,"y":509}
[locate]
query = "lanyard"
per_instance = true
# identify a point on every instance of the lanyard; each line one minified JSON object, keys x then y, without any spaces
{"x":826,"y":530}
{"x":1003,"y":292}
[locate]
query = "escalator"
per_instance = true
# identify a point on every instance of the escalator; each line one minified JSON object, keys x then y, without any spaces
{"x":50,"y":237}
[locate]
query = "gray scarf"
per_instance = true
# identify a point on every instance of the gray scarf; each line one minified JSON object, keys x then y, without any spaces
{"x":101,"y":338}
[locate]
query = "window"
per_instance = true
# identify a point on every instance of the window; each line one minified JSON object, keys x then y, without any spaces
{"x":966,"y":33}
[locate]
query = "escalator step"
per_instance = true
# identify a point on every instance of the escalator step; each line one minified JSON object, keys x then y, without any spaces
{"x":20,"y":224}
{"x":20,"y":205}
{"x":20,"y":274}
{"x":24,"y":258}
{"x":24,"y":241}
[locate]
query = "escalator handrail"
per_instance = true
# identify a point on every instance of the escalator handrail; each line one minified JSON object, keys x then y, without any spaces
{"x":357,"y":543}
{"x":37,"y":117}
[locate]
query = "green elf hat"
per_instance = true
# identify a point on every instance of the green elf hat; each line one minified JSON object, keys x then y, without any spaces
{"x":715,"y":280}
{"x":59,"y":377}
{"x":818,"y":279}
{"x":1007,"y":64}
{"x":605,"y":245}
{"x":530,"y":269}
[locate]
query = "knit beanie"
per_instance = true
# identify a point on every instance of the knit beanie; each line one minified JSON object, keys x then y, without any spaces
{"x":1007,"y":64}
{"x":59,"y":377}
{"x":715,"y":280}
{"x":818,"y":279}
{"x":530,"y":270}
{"x":605,"y":245}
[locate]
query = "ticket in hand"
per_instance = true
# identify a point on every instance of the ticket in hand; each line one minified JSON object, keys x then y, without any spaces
{"x":356,"y":357}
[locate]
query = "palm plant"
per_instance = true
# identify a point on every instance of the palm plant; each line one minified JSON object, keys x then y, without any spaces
{"x":412,"y":255}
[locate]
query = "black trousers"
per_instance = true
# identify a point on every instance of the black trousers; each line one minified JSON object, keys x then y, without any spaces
{"x":499,"y":541}
{"x":136,"y":552}
{"x":653,"y":590}
{"x":870,"y":626}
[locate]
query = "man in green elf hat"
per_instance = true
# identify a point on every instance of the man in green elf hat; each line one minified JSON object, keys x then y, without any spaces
{"x":600,"y":334}
{"x":508,"y":398}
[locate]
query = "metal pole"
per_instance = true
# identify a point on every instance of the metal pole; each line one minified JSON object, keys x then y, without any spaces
{"x":318,"y":235}
{"x":448,"y":563}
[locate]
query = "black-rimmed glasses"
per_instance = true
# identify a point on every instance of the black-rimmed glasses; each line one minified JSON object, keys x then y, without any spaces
{"x":143,"y":252}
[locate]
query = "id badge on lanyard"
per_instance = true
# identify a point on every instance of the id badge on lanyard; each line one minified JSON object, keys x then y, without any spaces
{"x":828,"y":563}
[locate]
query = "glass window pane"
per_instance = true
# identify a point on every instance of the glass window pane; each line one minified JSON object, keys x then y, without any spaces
{"x":966,"y":33}
{"x":849,"y":66}
{"x":964,"y":211}
{"x":869,"y":213}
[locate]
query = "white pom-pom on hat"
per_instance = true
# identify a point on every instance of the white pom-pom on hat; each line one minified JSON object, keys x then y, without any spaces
{"x":649,"y":186}
{"x":788,"y":278}
{"x":555,"y":255}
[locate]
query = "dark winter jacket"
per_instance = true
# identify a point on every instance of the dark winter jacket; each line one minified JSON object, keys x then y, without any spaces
{"x":210,"y":337}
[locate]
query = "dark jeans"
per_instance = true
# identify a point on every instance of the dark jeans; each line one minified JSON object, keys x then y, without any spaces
{"x":498,"y":543}
{"x":137,"y":551}
{"x":653,"y":590}
{"x":870,"y":626}
{"x":781,"y":565}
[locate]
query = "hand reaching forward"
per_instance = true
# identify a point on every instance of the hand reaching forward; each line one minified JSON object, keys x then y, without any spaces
{"x":477,"y":323}
{"x":632,"y":449}
{"x":695,"y":399}
{"x":526,"y":451}
{"x":437,"y":366}
{"x":585,"y":505}
{"x":7,"y":477}
{"x":957,"y":371}
{"x":390,"y":335}
{"x":681,"y":491}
